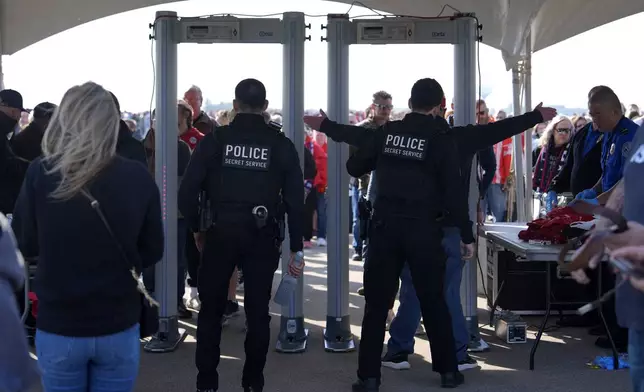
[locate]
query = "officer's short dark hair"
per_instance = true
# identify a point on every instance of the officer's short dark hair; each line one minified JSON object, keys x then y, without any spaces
{"x":595,"y":89}
{"x":250,"y":94}
{"x":426,"y":94}
{"x":605,"y":96}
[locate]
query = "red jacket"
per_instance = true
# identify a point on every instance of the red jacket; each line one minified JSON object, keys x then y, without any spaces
{"x":192,"y":137}
{"x":320,"y":157}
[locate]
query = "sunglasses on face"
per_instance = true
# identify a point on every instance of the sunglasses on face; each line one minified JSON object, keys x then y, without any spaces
{"x":563,"y":130}
{"x":482,"y":113}
{"x":379,"y":106}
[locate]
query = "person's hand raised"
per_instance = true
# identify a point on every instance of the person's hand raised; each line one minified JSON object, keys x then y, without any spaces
{"x":546,"y":112}
{"x":315,"y":121}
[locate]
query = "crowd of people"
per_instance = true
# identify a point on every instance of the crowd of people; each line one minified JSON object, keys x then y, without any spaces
{"x":69,"y":170}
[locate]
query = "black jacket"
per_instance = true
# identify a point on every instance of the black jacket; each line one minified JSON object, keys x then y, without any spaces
{"x":12,"y":167}
{"x":487,"y":163}
{"x":243,"y":165}
{"x":580,"y":172}
{"x":470,"y":139}
{"x":204,"y":123}
{"x":128,"y":147}
{"x":84,"y":286}
{"x":26,"y":144}
{"x":415,"y":175}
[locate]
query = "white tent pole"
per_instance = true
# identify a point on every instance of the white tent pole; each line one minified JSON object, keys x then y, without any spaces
{"x":517,"y":149}
{"x":527,"y":105}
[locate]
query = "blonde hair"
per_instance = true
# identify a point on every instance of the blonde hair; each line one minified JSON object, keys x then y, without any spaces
{"x":548,"y":133}
{"x":81,"y":137}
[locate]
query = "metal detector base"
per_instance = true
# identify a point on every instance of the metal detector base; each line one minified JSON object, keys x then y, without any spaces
{"x":293,"y":347}
{"x":165,"y":344}
{"x":339,"y":346}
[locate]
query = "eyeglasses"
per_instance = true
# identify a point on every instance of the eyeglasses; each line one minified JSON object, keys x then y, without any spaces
{"x":482,"y":113}
{"x":379,"y":106}
{"x":563,"y":130}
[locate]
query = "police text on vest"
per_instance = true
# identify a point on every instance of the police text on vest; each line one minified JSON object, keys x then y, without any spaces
{"x":405,"y":147}
{"x":249,"y":157}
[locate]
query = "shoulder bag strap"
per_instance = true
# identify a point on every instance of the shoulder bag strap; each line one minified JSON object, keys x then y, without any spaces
{"x":97,"y":207}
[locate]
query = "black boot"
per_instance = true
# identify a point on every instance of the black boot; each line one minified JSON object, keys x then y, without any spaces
{"x":367,"y":385}
{"x":452,"y":380}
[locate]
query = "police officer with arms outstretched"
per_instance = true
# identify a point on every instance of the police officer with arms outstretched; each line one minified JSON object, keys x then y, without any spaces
{"x":416,"y":153}
{"x":420,"y":153}
{"x":248,"y":169}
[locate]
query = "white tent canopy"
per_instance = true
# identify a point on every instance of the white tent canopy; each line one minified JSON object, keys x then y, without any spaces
{"x":506,"y":23}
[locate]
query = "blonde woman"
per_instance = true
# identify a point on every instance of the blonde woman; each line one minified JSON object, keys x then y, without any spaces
{"x":89,"y":306}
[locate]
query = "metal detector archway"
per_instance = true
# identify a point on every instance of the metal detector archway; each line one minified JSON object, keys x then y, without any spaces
{"x":169,"y":31}
{"x":460,"y":31}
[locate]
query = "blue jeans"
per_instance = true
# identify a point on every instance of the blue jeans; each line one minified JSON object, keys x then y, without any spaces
{"x":101,"y":364}
{"x":496,"y":202}
{"x":355,"y":197}
{"x":148,"y":273}
{"x":636,"y":358}
{"x":321,"y":198}
{"x":403,"y":327}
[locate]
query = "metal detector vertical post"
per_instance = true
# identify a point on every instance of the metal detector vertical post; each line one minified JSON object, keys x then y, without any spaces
{"x":169,"y":335}
{"x":293,"y":336}
{"x":465,"y":102}
{"x":337,"y":334}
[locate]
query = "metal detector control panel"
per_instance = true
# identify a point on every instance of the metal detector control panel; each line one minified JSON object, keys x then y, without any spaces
{"x":210,"y":30}
{"x":394,"y":31}
{"x":229,"y":29}
{"x":385,"y":32}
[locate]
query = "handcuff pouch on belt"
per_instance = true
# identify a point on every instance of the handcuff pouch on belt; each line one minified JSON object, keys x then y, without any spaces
{"x":260,"y":214}
{"x":262,"y":220}
{"x":365,"y":212}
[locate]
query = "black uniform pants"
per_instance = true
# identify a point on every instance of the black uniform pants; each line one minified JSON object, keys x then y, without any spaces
{"x":310,"y":205}
{"x":256,"y":250}
{"x":193,"y":259}
{"x":392,"y":242}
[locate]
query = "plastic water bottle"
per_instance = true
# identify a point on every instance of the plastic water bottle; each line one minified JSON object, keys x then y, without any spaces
{"x":288,"y":284}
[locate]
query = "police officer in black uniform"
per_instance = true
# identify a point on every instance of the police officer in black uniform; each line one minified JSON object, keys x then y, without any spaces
{"x":248,"y":170}
{"x":416,"y":161}
{"x":422,"y":189}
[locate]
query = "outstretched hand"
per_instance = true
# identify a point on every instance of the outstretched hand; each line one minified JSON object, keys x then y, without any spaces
{"x":315,"y":122}
{"x":546,"y":112}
